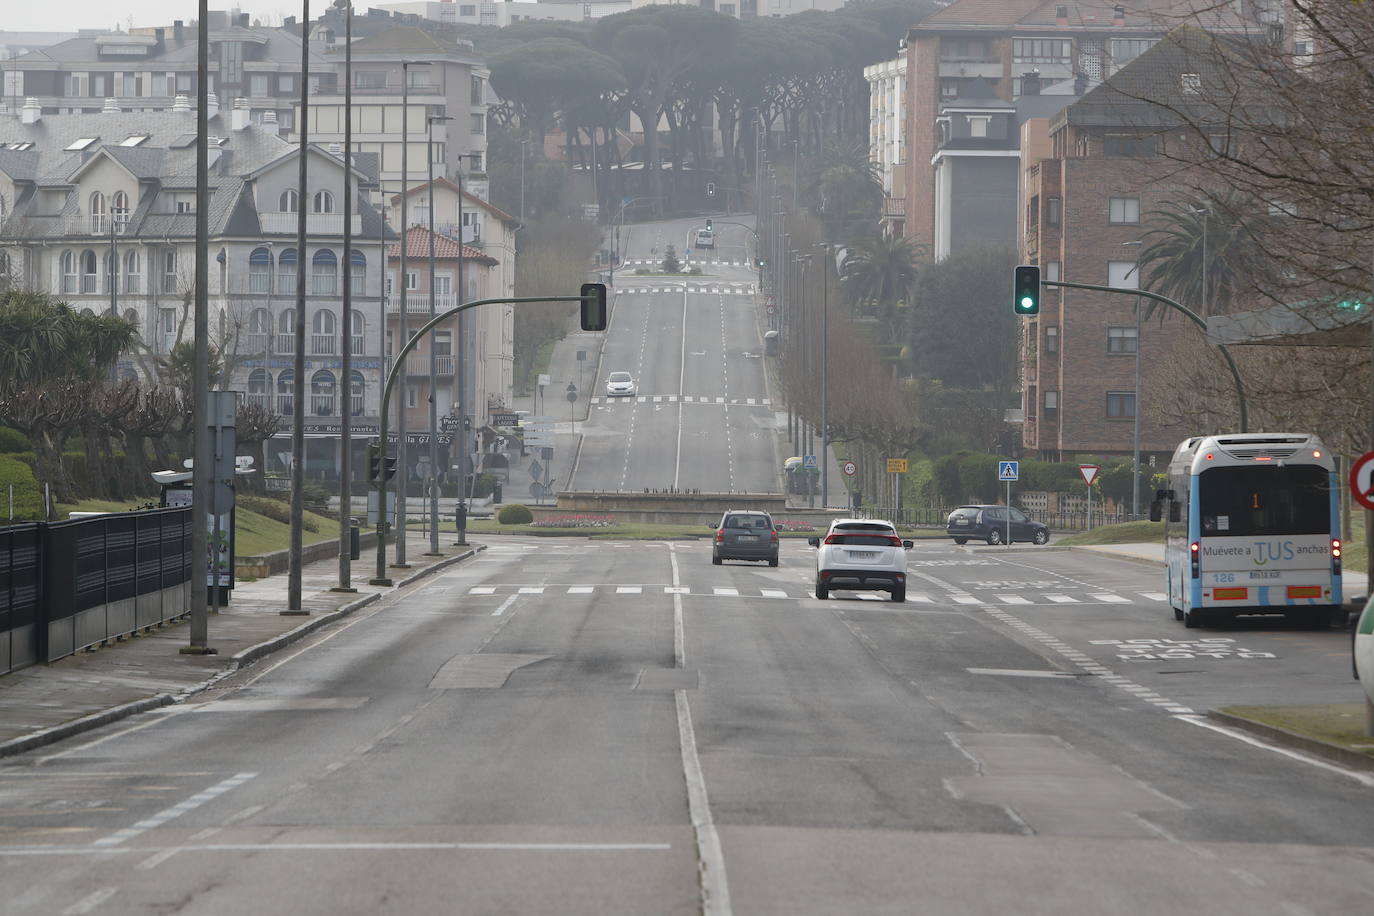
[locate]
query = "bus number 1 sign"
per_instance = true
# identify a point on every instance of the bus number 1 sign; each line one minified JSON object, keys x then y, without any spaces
{"x":1362,"y":480}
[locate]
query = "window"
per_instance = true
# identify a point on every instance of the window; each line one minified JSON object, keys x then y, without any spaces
{"x":475,"y":97}
{"x":76,"y":85}
{"x":186,"y":82}
{"x":1120,"y":405}
{"x":417,"y":78}
{"x":257,"y":84}
{"x":167,"y":326}
{"x":412,"y":398}
{"x":260,"y":271}
{"x":1123,"y":274}
{"x":286,"y":388}
{"x":89,"y":267}
{"x":186,"y":205}
{"x":1052,"y":339}
{"x":1041,"y":50}
{"x":1219,"y":142}
{"x":169,"y":271}
{"x":369,"y":79}
{"x":1051,"y":401}
{"x":97,"y":213}
{"x":1121,"y":340}
{"x":288,"y":201}
{"x":133,"y":273}
{"x":1190,"y":83}
{"x":949,"y":88}
{"x":479,"y":123}
{"x":324,"y":273}
{"x":119,"y":210}
{"x":359,"y":386}
{"x":286,"y":85}
{"x":357,"y":281}
{"x":1264,"y":501}
{"x":475,"y":161}
{"x":977,"y":126}
{"x":443,"y":284}
{"x":259,"y":386}
{"x":1125,"y":50}
{"x":359,"y":331}
{"x":443,"y":343}
{"x":68,"y":272}
{"x":324,"y":202}
{"x":14,"y":82}
{"x":322,"y":333}
{"x":467,"y":10}
{"x":286,"y":272}
{"x":111,"y":271}
{"x":1128,"y":146}
{"x":727,"y":9}
{"x":1123,"y":210}
{"x":1053,"y":210}
{"x":412,"y":280}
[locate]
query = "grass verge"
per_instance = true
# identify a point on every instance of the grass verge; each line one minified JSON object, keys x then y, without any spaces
{"x":1341,"y":724}
{"x":1124,"y":533}
{"x":254,"y":535}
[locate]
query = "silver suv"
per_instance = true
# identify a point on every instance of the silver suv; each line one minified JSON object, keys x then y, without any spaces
{"x":862,"y":555}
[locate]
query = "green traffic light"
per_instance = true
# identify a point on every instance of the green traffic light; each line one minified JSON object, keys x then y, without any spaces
{"x":1027,"y":302}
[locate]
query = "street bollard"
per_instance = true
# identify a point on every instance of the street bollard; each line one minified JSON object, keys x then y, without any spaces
{"x":355,"y":539}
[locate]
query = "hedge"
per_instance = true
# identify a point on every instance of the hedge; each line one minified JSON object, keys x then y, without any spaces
{"x":28,"y":495}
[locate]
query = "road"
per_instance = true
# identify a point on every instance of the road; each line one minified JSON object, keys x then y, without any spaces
{"x":703,"y":417}
{"x":577,"y":727}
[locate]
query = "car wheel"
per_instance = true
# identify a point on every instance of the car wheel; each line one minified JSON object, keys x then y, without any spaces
{"x":772,"y":561}
{"x":961,"y":540}
{"x":994,"y":537}
{"x":821,"y":591}
{"x":715,"y":561}
{"x":1042,"y":536}
{"x":899,"y":594}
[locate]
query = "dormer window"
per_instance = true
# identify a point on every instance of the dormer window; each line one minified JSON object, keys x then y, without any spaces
{"x":1190,"y":83}
{"x":324,"y":202}
{"x":78,"y":145}
{"x":288,"y":201}
{"x":97,"y":213}
{"x":978,"y":125}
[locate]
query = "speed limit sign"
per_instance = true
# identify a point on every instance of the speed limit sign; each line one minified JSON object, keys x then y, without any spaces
{"x":849,"y":468}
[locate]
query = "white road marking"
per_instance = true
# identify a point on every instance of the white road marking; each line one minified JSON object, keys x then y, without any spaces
{"x":1062,"y":599}
{"x":966,"y":599}
{"x":676,"y":590}
{"x":580,"y":590}
{"x":157,"y":859}
{"x":531,"y":590}
{"x":1012,"y":599}
{"x":869,"y":596}
{"x":1155,"y":596}
{"x":1017,"y":672}
{"x":772,"y":593}
{"x":1366,"y":779}
{"x":482,"y":590}
{"x":725,"y":592}
{"x":504,"y":604}
{"x":628,"y":589}
{"x":1110,"y":599}
{"x":88,"y":903}
{"x":176,"y":811}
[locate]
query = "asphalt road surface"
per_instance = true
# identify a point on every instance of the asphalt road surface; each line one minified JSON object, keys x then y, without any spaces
{"x":703,"y":416}
{"x":584,"y":727}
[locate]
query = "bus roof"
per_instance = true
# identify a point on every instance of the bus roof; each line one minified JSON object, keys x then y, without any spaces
{"x":1242,"y":448}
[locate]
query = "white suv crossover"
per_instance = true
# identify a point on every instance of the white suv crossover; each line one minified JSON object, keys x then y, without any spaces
{"x":861,"y":554}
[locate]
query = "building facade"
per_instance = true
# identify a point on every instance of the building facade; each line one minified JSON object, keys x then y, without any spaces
{"x":886,"y":129}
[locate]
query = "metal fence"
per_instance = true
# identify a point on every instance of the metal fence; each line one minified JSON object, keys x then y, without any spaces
{"x":68,"y":585}
{"x":930,"y":517}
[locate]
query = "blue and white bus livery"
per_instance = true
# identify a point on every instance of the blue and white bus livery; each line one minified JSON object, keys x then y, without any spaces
{"x":1252,"y":526}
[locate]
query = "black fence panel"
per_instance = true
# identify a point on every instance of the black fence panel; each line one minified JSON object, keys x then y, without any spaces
{"x":19,"y":572}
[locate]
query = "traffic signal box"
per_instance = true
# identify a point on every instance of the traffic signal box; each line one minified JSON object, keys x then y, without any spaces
{"x":379,"y":463}
{"x":1026,"y":290}
{"x":593,"y":306}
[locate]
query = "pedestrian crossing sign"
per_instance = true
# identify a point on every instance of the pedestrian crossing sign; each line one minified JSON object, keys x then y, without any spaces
{"x":1008,"y":470}
{"x":808,"y":461}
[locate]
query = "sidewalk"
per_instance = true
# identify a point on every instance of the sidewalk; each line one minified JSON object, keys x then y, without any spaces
{"x":45,"y":703}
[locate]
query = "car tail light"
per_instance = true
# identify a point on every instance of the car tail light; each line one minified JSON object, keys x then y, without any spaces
{"x":833,"y":539}
{"x":773,"y":535}
{"x":894,"y":541}
{"x":1336,"y":556}
{"x":720,"y":535}
{"x":1193,"y":549}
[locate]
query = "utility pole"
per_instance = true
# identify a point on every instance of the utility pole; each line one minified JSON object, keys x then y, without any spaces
{"x":346,"y":361}
{"x":293,"y":582}
{"x":433,"y":360}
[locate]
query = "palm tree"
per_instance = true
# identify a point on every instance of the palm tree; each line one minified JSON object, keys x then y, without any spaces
{"x":845,"y":178}
{"x":1210,"y":239}
{"x":878,"y":274}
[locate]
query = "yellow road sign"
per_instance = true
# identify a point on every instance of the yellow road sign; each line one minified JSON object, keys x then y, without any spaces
{"x":896,"y":465}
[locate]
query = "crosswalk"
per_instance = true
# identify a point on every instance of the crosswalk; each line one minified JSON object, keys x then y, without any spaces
{"x":685,"y":399}
{"x":696,"y":262}
{"x":700,"y":289}
{"x":719,"y":591}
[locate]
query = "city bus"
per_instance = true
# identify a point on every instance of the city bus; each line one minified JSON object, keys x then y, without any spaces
{"x":1252,"y":526}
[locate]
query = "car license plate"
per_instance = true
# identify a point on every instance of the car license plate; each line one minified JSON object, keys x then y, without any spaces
{"x":961,"y":521}
{"x":747,"y":538}
{"x":863,"y":554}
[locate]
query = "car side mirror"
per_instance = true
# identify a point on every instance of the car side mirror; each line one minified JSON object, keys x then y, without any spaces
{"x":814,"y":542}
{"x":908,"y":544}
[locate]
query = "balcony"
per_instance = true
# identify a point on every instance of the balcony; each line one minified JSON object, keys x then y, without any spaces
{"x":989,"y":69}
{"x":285,"y":404}
{"x":418,"y":364}
{"x":259,"y":400}
{"x":255,"y":342}
{"x":417,"y":303}
{"x":286,"y":343}
{"x":316,"y":224}
{"x":322,"y":405}
{"x":323,"y":344}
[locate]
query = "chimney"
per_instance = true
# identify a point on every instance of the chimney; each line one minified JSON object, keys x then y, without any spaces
{"x":269,"y":122}
{"x":178,"y":31}
{"x":161,"y":36}
{"x":211,"y":105}
{"x":181,"y":103}
{"x":1061,"y":15}
{"x":336,"y":149}
{"x":243,"y":20}
{"x":239,"y":118}
{"x":31,"y":111}
{"x":111,"y":107}
{"x":1119,"y":15}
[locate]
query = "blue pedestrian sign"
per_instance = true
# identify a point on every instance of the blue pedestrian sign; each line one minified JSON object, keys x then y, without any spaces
{"x":808,"y":461}
{"x":1008,"y":470}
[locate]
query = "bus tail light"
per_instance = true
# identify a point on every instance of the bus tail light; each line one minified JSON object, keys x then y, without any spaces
{"x":1304,"y":591}
{"x":1336,"y":556}
{"x":1230,"y":594}
{"x":1193,"y":549}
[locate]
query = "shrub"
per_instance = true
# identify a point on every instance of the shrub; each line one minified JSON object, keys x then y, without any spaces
{"x":575,"y":521}
{"x":795,"y":524}
{"x":275,"y":509}
{"x":515,"y":514}
{"x":12,"y":440}
{"x":316,"y":497}
{"x":28,"y":495}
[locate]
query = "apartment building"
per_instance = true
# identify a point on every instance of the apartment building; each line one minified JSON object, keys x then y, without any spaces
{"x":99,"y":211}
{"x":887,"y":136}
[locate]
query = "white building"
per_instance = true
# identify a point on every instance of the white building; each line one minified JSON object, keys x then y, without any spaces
{"x":887,"y":120}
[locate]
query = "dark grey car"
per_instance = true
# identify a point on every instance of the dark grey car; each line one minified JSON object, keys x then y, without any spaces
{"x":993,"y":524}
{"x":745,"y":535}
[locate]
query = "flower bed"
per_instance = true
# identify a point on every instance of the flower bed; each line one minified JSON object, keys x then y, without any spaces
{"x":575,"y":521}
{"x":795,"y":524}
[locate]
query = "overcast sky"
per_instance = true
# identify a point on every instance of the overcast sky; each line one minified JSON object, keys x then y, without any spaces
{"x":69,"y":15}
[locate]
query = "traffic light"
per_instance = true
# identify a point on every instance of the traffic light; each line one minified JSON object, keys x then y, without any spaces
{"x":1026,"y":293}
{"x":374,"y":460}
{"x":708,"y":221}
{"x":389,"y":463}
{"x":710,"y":192}
{"x":593,"y":306}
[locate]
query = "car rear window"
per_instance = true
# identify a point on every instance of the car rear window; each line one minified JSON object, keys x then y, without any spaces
{"x":964,"y":512}
{"x":747,"y":521}
{"x":854,"y":527}
{"x":860,"y":540}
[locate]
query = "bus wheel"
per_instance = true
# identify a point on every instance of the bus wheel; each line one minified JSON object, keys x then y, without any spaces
{"x":1178,"y":614}
{"x":1194,"y":619}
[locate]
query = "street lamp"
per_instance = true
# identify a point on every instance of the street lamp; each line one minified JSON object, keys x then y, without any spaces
{"x":460,"y":368}
{"x":346,"y":343}
{"x":825,"y":373}
{"x":1135,"y":433}
{"x":433,"y":360}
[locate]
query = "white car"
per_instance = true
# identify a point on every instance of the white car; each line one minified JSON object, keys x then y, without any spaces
{"x":861,"y":554}
{"x":620,"y":384}
{"x":706,"y":238}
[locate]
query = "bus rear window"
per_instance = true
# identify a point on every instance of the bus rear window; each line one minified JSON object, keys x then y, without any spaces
{"x":1264,"y":500}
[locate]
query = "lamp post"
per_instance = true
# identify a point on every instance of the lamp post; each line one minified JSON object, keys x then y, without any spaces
{"x":825,"y":373}
{"x":1135,"y":432}
{"x":294,"y":564}
{"x":402,"y":457}
{"x":460,"y":370}
{"x":346,"y":344}
{"x":433,"y":360}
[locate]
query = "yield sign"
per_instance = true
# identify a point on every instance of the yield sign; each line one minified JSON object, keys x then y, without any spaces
{"x":1089,"y":472}
{"x":1362,"y":480}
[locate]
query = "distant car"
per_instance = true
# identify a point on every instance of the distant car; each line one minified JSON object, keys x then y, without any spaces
{"x":620,"y":384}
{"x":706,"y":238}
{"x":990,"y":523}
{"x":745,"y":535}
{"x":862,"y":555}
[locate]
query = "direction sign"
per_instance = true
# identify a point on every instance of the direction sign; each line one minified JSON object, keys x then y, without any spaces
{"x":896,"y":465}
{"x":808,"y":461}
{"x":449,"y":424}
{"x":1008,"y":470}
{"x":1089,"y":472}
{"x":1362,"y":480}
{"x":536,"y":470}
{"x":849,"y":468}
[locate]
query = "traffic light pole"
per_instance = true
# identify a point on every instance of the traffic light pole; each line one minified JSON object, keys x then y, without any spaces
{"x":398,"y":369}
{"x":1192,"y":315}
